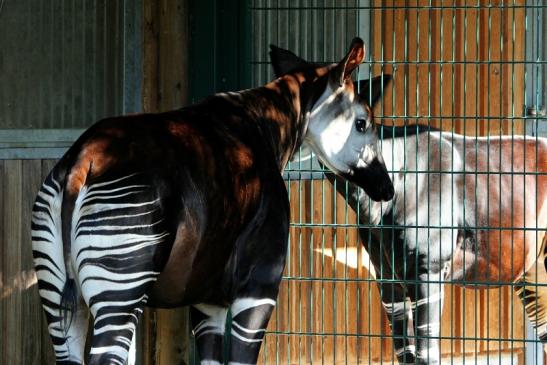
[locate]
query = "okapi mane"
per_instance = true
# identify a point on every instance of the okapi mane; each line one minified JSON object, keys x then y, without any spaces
{"x":388,"y":131}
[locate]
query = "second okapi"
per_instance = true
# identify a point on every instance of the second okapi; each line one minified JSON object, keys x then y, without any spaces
{"x":466,"y":210}
{"x":189,"y":207}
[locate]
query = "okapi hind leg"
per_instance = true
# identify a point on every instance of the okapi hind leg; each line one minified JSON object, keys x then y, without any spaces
{"x":65,"y":310}
{"x":208,"y":327}
{"x":531,"y":288}
{"x":114,"y":328}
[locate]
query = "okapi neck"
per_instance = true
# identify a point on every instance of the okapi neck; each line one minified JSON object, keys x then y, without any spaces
{"x":281,"y":109}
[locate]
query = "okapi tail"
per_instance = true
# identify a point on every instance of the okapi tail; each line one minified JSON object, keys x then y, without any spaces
{"x":69,"y":303}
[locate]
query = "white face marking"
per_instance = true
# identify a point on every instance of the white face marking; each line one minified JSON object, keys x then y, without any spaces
{"x":333,"y":136}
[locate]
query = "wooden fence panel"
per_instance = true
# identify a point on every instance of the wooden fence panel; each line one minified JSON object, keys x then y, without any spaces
{"x":23,"y":334}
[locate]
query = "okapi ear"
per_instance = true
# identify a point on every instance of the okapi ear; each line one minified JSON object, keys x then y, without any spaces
{"x":284,"y":61}
{"x":371,"y":90}
{"x":355,"y":56}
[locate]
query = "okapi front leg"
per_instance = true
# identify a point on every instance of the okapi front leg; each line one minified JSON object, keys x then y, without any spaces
{"x":208,"y":327}
{"x":428,"y":303}
{"x":250,"y":318}
{"x":399,"y":311}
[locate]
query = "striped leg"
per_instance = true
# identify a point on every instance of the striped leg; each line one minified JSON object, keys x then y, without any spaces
{"x":428,"y":303}
{"x":399,"y":312}
{"x":250,"y":318}
{"x":114,"y":331}
{"x":67,"y":328}
{"x":208,"y":327}
{"x":532,"y":291}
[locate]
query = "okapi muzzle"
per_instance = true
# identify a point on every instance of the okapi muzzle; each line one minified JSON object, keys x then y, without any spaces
{"x":368,"y":177}
{"x":186,"y":207}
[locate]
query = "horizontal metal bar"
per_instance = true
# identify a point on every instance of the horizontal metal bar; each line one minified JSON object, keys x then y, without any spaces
{"x":402,"y":7}
{"x":436,"y":172}
{"x":466,"y":338}
{"x":19,"y":144}
{"x":432,"y":62}
{"x":32,"y":153}
{"x":415,"y":226}
{"x":451,"y":118}
{"x":38,"y":137}
{"x":468,"y":283}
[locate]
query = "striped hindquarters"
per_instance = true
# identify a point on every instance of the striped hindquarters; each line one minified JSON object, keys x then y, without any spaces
{"x":117,"y":228}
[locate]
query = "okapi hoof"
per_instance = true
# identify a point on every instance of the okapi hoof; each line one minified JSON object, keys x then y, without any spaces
{"x":407,"y":358}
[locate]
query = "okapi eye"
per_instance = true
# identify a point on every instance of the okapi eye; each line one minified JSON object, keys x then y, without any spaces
{"x":360,"y":125}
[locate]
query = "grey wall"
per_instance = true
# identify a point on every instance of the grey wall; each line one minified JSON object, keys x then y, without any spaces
{"x":61,"y":62}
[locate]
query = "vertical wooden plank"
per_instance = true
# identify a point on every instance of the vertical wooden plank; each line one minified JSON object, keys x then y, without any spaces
{"x":3,"y":277}
{"x":338,"y":285}
{"x":146,"y":332}
{"x":495,"y":83}
{"x":459,"y":68}
{"x":12,"y":260}
{"x":173,"y":54}
{"x":306,"y":270}
{"x":31,"y":309}
{"x":165,"y":87}
{"x":514,"y":33}
{"x":411,"y":69}
{"x":397,"y":52}
{"x":297,"y":202}
{"x":484,"y":68}
{"x":48,"y":355}
{"x":434,"y":68}
{"x":447,"y":69}
{"x":423,"y":40}
{"x":150,"y":33}
{"x":471,"y":70}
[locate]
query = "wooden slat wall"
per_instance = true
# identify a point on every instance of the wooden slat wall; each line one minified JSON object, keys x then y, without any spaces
{"x":23,"y":333}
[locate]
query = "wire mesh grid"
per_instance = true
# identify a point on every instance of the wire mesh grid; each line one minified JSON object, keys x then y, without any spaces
{"x":470,"y":68}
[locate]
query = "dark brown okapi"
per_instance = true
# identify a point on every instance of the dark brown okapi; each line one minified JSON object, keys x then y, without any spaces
{"x":189,"y":207}
{"x":468,"y":210}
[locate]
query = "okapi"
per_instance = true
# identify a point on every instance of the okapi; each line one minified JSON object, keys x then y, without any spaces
{"x":466,"y":210}
{"x":189,"y":207}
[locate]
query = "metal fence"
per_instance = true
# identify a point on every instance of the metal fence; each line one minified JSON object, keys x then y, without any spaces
{"x":473,"y":68}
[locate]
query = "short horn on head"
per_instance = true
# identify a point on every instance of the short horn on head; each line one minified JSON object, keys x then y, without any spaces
{"x":350,"y":62}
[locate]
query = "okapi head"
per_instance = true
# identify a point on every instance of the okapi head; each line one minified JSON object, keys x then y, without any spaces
{"x":341,"y":130}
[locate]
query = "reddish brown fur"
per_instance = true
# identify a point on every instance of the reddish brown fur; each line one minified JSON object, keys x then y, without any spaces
{"x":511,"y":198}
